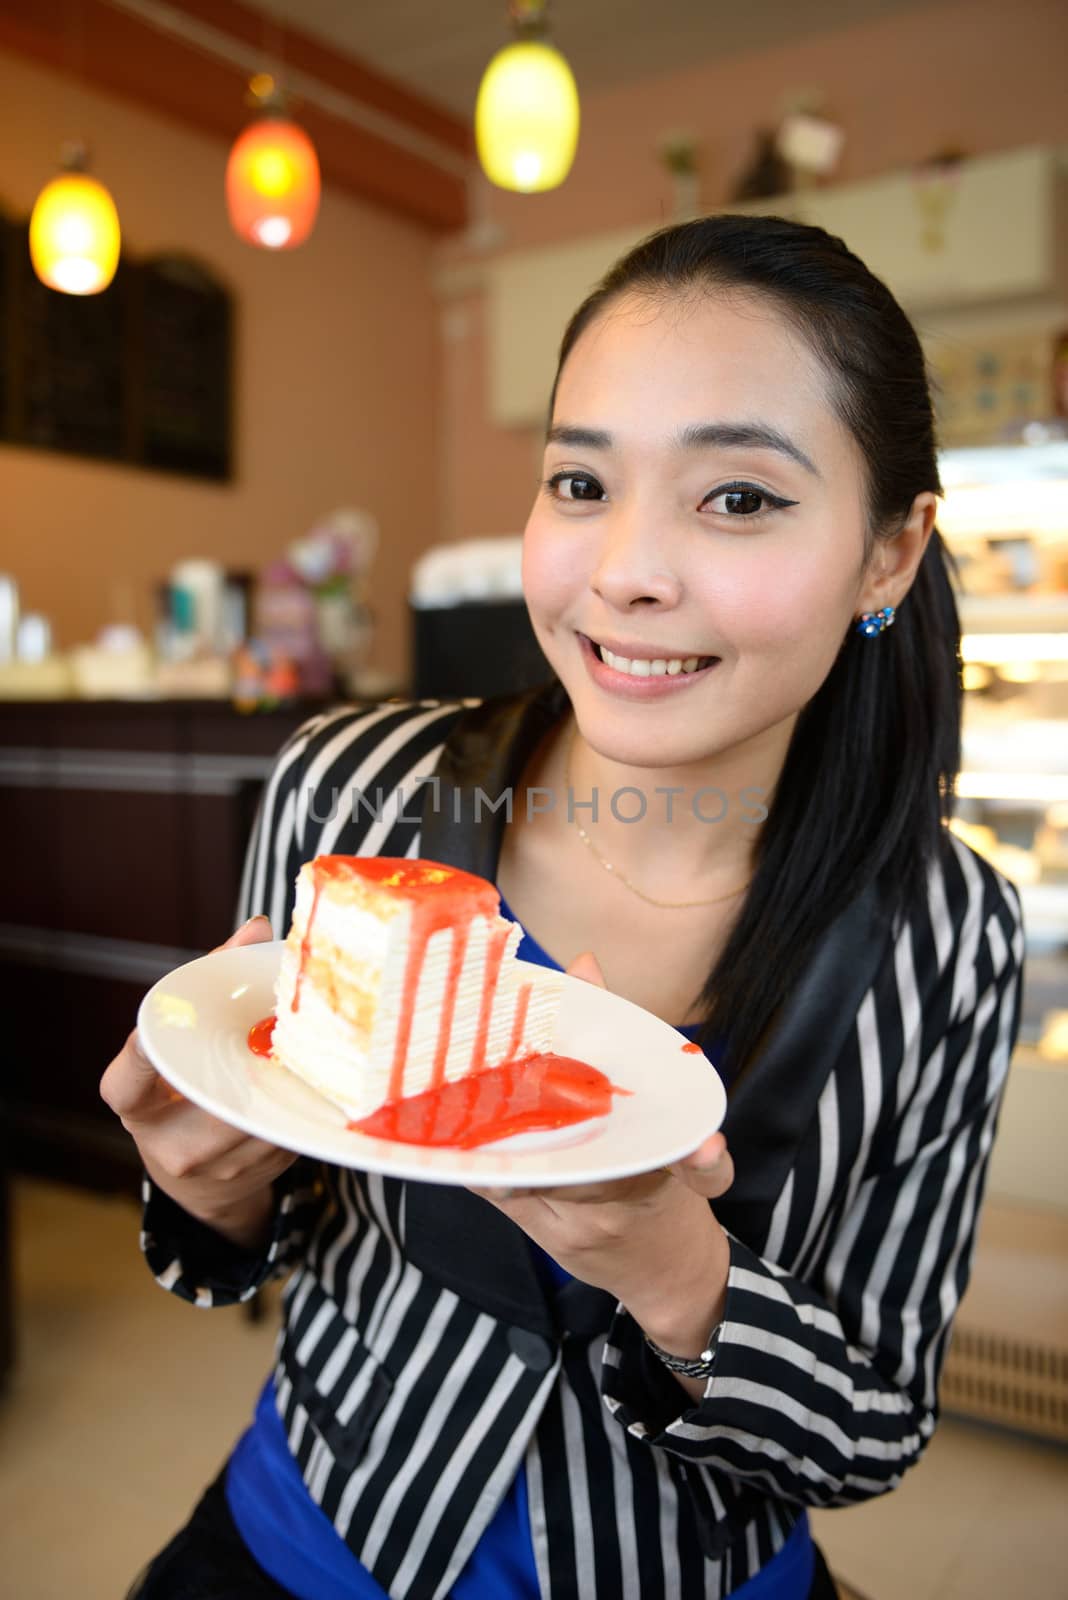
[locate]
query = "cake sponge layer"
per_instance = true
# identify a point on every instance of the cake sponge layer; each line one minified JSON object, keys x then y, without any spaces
{"x":393,"y":982}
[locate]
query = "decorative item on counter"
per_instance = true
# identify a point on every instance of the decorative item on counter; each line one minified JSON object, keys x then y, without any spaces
{"x":263,"y":679}
{"x":191,"y":638}
{"x":196,"y":607}
{"x":33,"y":671}
{"x":33,"y":642}
{"x":118,"y":665}
{"x":935,"y":182}
{"x":677,"y":153}
{"x":333,"y":560}
{"x":223,"y":610}
{"x":286,"y":626}
{"x":236,"y":609}
{"x":9,"y":617}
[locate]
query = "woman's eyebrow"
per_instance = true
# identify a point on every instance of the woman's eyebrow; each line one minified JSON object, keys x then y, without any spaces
{"x":762,"y":435}
{"x":579,"y":438}
{"x":697,"y":436}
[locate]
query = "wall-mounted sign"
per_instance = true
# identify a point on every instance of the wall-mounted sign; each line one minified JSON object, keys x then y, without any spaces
{"x":140,"y":373}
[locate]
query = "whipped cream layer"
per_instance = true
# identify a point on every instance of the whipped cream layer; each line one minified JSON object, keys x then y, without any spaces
{"x":342,"y":1038}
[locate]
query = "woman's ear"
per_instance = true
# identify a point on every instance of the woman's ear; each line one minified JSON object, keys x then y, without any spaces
{"x":895,"y":562}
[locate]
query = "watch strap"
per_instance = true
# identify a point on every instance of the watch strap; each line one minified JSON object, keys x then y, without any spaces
{"x":695,"y":1367}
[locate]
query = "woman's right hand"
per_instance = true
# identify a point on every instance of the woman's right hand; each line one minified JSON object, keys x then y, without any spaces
{"x":214,"y":1172}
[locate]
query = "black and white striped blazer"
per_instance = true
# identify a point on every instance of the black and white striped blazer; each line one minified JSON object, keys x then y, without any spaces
{"x":423,"y":1364}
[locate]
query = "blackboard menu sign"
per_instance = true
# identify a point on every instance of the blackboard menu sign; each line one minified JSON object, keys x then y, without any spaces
{"x":139,"y":374}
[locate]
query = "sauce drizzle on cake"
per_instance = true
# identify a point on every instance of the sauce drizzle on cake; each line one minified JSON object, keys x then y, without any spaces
{"x":440,"y":897}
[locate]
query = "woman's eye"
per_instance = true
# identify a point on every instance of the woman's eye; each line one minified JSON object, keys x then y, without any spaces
{"x":743,"y":500}
{"x":574,"y":486}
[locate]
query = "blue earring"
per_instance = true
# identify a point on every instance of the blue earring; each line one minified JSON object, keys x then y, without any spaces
{"x":874,"y":622}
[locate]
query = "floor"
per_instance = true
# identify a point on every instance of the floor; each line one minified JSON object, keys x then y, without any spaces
{"x":123,"y":1402}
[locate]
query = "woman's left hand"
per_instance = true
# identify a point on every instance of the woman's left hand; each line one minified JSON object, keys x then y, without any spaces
{"x":650,"y":1240}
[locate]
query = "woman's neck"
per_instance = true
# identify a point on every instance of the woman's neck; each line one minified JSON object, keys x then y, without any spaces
{"x":677,"y":831}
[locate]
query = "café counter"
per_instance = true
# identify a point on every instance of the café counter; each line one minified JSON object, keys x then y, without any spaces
{"x":125,"y":826}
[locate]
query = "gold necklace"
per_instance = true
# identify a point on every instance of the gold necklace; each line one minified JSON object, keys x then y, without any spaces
{"x":664,"y":905}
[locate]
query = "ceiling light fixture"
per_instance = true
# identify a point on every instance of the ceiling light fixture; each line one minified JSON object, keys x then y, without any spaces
{"x":527,"y":112}
{"x":74,"y":230}
{"x":272,"y":175}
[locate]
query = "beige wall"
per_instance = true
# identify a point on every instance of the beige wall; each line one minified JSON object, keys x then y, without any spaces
{"x":983,"y":75}
{"x":335,"y":381}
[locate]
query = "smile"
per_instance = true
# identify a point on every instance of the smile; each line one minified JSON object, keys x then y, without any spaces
{"x":638,"y":671}
{"x":658,"y":667}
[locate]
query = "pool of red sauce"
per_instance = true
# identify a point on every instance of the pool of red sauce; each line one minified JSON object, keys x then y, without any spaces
{"x":533,"y":1093}
{"x":530,"y":1094}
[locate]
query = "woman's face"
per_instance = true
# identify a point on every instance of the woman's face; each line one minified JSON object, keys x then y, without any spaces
{"x":701,"y":501}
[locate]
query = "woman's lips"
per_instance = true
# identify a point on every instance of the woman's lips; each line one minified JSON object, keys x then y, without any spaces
{"x":626,"y":685}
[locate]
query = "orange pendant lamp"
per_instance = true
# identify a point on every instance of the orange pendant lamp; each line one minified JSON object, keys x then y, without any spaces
{"x":272,"y":176}
{"x":74,"y":230}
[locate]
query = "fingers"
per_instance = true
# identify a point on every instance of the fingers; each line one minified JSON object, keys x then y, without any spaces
{"x":709,"y":1171}
{"x":618,"y":1190}
{"x":198,"y":1146}
{"x":131,"y":1085}
{"x":130,"y":1081}
{"x":587,"y":967}
{"x":257,"y":930}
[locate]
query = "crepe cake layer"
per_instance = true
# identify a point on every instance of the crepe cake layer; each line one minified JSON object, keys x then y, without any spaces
{"x":399,"y":975}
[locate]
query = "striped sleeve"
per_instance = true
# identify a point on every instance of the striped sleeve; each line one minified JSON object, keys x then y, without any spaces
{"x":340,"y":782}
{"x":197,"y":1264}
{"x":825,"y":1387}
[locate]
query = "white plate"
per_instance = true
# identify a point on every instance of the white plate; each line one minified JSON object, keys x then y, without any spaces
{"x":194,"y":1027}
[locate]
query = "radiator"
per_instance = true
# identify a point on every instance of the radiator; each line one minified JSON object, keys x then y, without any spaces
{"x":1020,"y":1383}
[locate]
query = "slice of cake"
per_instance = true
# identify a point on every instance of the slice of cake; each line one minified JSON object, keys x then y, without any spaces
{"x":398,"y":976}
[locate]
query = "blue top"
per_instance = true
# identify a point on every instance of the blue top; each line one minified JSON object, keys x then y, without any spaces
{"x":297,"y":1544}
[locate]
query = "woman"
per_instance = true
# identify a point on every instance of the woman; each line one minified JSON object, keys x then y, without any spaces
{"x":730,"y":807}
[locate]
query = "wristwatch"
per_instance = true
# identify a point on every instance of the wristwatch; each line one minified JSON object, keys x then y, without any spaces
{"x":700,"y":1367}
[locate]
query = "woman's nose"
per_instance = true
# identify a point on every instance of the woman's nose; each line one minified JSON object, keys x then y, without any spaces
{"x":633,"y":567}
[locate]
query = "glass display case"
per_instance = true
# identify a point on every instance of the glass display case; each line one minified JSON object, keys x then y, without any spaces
{"x":1005,"y":518}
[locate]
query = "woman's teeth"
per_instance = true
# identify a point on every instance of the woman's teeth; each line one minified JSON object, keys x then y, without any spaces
{"x":653,"y":669}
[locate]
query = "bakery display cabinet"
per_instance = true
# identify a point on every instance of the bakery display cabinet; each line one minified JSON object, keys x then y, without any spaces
{"x":1006,"y":520}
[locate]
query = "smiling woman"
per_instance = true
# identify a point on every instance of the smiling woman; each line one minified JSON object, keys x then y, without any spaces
{"x":695,"y":581}
{"x":637,"y":1388}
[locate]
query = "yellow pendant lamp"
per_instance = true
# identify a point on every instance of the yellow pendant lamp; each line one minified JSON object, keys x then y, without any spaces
{"x":74,"y":230}
{"x":272,"y":176}
{"x":527,"y":112}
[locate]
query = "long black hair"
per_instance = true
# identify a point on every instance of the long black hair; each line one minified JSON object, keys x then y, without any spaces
{"x":869,"y":777}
